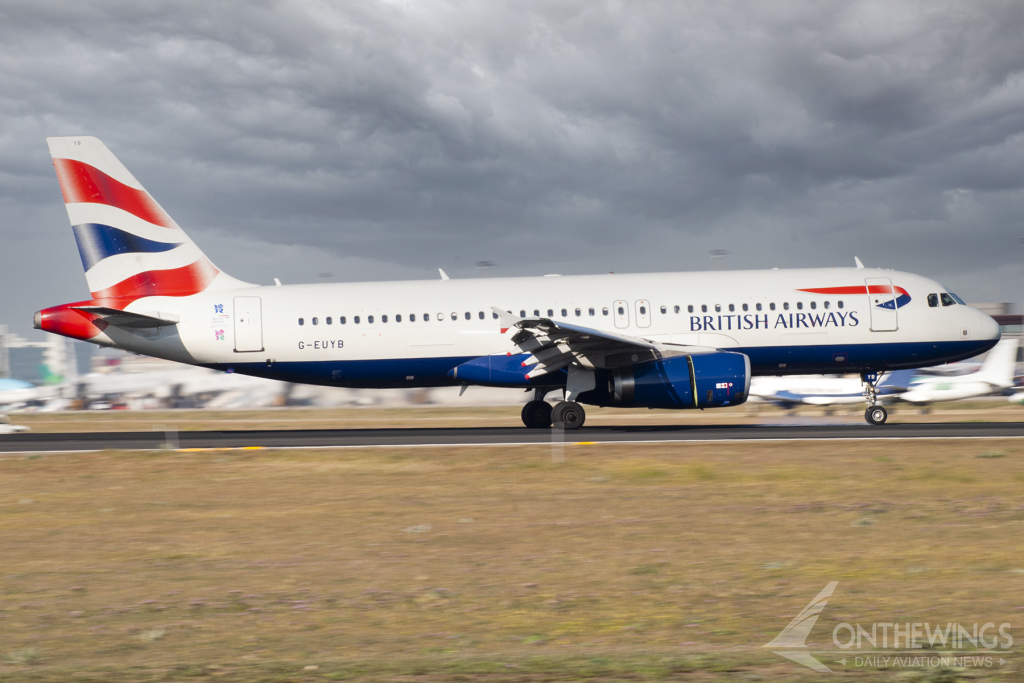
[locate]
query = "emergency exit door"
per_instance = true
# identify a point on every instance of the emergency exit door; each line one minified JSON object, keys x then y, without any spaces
{"x":621,"y":311}
{"x":248,"y":324}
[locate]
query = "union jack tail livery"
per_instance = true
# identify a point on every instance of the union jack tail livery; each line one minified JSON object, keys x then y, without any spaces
{"x":130,"y":247}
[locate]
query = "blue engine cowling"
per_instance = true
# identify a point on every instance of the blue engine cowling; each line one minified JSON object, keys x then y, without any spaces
{"x":707,"y":380}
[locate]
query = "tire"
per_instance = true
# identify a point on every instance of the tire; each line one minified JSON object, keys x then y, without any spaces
{"x":537,"y":414}
{"x":876,"y":415}
{"x":570,"y":414}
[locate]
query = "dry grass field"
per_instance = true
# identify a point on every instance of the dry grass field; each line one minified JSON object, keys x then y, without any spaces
{"x":494,"y":564}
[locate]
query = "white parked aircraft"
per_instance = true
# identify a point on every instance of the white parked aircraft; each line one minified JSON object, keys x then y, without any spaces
{"x":817,"y":390}
{"x":661,"y":340}
{"x":994,"y":376}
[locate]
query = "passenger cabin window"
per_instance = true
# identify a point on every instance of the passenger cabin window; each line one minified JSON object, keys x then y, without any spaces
{"x":591,"y":311}
{"x":703,"y":308}
{"x":664,"y":309}
{"x":301,"y":321}
{"x":536,"y":312}
{"x":369,"y":320}
{"x":355,"y":319}
{"x":551,"y":312}
{"x":675,"y":309}
{"x":785,"y":306}
{"x":383,"y":318}
{"x":341,"y":320}
{"x":689,"y":309}
{"x":328,"y":320}
{"x":947,"y":300}
{"x":933,"y":300}
{"x":482,"y":316}
{"x":565,"y":313}
{"x":412,"y":317}
{"x":622,"y":311}
{"x":522,"y":314}
{"x":469,"y":316}
{"x":771,"y":307}
{"x":718,"y":308}
{"x":316,"y":321}
{"x":745,"y":307}
{"x":455,"y":316}
{"x":814,"y":305}
{"x":731,"y":308}
{"x":799,"y":305}
{"x":578,"y":312}
{"x":757,"y":307}
{"x":643,"y":310}
{"x":826,"y":304}
{"x":604,"y":311}
{"x":839,"y":304}
{"x":398,"y":317}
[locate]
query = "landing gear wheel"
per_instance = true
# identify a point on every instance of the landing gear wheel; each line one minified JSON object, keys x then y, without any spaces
{"x":570,"y":414}
{"x":876,"y":415}
{"x":537,"y":414}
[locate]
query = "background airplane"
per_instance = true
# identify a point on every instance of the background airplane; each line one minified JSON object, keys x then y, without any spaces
{"x":820,"y":390}
{"x":994,"y":376}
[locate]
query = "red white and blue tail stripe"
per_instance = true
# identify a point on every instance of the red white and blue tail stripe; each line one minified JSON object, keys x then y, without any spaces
{"x":130,"y":247}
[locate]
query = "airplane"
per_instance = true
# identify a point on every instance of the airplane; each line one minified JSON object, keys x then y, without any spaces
{"x":816,"y":390}
{"x":994,"y":376}
{"x":15,"y":393}
{"x":659,"y":340}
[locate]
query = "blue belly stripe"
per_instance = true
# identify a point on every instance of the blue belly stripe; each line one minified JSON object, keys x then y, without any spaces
{"x":97,"y":242}
{"x":764,"y":360}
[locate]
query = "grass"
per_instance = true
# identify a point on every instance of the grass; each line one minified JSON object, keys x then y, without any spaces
{"x":493,"y":564}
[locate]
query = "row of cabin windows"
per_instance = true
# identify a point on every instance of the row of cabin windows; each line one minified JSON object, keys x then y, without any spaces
{"x":947,"y":299}
{"x":342,"y":320}
{"x":757,"y":307}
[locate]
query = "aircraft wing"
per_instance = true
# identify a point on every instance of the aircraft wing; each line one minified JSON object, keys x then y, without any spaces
{"x":554,"y":344}
{"x":118,"y":318}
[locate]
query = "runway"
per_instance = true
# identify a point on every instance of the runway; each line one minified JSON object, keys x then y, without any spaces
{"x":494,"y":436}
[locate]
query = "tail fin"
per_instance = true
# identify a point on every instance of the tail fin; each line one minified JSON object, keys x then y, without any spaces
{"x":130,"y":247}
{"x":1000,"y":364}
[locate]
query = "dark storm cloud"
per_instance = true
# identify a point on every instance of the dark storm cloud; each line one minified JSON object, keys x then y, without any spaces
{"x":381,"y":140}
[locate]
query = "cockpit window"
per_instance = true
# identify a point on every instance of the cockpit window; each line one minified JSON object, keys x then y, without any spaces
{"x":933,"y":300}
{"x":947,"y":300}
{"x":957,"y":299}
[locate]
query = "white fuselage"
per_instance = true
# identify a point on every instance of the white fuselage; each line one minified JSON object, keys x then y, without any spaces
{"x":390,"y":334}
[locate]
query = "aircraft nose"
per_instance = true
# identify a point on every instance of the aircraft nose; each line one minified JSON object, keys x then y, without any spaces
{"x":987,"y":327}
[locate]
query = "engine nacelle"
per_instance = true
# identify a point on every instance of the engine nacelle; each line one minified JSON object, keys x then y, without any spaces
{"x":709,"y":380}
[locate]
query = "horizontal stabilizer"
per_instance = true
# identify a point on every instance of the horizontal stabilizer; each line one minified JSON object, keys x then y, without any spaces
{"x":113,"y":316}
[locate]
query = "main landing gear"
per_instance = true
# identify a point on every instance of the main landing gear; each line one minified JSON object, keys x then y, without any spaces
{"x":539,"y":414}
{"x":875,"y":414}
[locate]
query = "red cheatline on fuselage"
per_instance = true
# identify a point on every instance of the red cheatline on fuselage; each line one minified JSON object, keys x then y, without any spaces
{"x":858,"y":289}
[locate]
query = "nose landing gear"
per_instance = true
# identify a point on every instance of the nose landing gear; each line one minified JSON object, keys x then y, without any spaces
{"x":875,"y":414}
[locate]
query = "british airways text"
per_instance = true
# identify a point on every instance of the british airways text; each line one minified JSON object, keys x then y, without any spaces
{"x":761,"y":322}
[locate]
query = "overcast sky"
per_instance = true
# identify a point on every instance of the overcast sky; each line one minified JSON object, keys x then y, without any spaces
{"x":382,"y":140}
